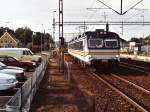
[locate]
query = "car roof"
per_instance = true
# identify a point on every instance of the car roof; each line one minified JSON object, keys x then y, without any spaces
{"x":14,"y":49}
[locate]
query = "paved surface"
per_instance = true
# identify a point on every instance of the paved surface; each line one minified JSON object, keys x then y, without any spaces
{"x":3,"y":101}
{"x":136,"y":57}
{"x":57,"y":95}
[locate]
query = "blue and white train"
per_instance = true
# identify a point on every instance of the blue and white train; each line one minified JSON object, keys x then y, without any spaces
{"x":96,"y":48}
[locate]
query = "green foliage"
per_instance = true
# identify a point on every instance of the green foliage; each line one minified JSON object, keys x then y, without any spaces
{"x":145,"y":41}
{"x":2,"y":30}
{"x":26,"y":37}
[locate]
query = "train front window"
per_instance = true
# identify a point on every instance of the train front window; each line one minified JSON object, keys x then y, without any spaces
{"x":111,"y":43}
{"x":95,"y":43}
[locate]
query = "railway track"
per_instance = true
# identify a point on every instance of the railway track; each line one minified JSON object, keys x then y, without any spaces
{"x":135,"y":67}
{"x":107,"y":98}
{"x":131,"y":92}
{"x":134,"y":94}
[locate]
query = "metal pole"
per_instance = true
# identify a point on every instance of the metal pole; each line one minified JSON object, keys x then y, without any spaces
{"x":32,"y":40}
{"x":121,"y":7}
{"x":41,"y":38}
{"x":24,"y":37}
{"x":44,"y":41}
{"x":61,"y":39}
{"x":54,"y":25}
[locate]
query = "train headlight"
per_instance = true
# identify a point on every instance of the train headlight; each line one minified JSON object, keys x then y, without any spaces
{"x":117,"y":56}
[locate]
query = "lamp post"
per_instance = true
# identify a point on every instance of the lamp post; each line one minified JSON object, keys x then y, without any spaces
{"x":54,"y":25}
{"x":33,"y":39}
{"x":41,"y":37}
{"x":49,"y":45}
{"x":24,"y":37}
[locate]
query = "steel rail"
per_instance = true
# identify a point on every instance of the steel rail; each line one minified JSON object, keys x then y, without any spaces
{"x":125,"y":97}
{"x":135,"y":68}
{"x":136,"y":86}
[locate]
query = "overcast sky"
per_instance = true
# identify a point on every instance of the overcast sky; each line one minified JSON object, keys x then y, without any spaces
{"x":34,"y":13}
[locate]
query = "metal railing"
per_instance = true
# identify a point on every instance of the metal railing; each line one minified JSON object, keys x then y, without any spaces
{"x":68,"y":66}
{"x":21,"y":101}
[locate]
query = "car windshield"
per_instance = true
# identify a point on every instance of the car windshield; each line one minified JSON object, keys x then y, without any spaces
{"x":16,"y":58}
{"x":111,"y":43}
{"x":30,"y":52}
{"x":2,"y":65}
{"x":95,"y":43}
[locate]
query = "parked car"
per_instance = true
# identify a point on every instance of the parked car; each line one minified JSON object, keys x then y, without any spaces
{"x":11,"y":67}
{"x":7,"y":81}
{"x":12,"y":61}
{"x":23,"y":54}
{"x":19,"y":74}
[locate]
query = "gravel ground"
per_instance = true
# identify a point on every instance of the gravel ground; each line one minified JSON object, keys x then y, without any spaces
{"x":134,"y":93}
{"x":136,"y":77}
{"x":85,"y":93}
{"x":56,"y":95}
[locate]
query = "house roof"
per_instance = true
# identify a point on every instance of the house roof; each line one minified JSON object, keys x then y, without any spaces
{"x":10,"y":35}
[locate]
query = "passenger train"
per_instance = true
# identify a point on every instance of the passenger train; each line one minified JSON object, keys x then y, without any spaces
{"x":96,"y":48}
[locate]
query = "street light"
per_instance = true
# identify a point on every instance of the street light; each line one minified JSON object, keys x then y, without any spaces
{"x":49,"y":45}
{"x":41,"y":36}
{"x":54,"y":26}
{"x":33,"y":39}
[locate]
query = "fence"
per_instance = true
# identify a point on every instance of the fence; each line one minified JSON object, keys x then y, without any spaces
{"x":21,"y":101}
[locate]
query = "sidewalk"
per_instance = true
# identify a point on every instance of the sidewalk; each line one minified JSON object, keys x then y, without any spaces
{"x":56,"y":95}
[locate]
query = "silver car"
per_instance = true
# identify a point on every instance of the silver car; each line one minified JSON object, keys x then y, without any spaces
{"x":7,"y":81}
{"x":19,"y":74}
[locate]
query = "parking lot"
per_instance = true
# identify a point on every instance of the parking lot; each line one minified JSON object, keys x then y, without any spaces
{"x":7,"y":95}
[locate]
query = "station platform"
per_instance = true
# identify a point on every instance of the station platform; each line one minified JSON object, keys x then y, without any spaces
{"x":135,"y":57}
{"x":56,"y":94}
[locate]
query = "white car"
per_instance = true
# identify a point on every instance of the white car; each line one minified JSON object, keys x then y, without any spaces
{"x":10,"y":67}
{"x":19,"y":74}
{"x":7,"y":81}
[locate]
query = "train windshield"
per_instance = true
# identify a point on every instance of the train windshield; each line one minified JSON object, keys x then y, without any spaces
{"x":111,"y":43}
{"x":95,"y":43}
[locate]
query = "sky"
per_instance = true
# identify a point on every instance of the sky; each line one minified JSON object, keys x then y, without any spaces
{"x":38,"y":15}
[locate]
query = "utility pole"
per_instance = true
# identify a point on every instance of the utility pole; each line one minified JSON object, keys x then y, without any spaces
{"x":122,"y":28}
{"x":105,"y":16}
{"x":121,"y":8}
{"x":41,"y":37}
{"x":61,"y":38}
{"x":33,"y":34}
{"x":44,"y":43}
{"x":54,"y":26}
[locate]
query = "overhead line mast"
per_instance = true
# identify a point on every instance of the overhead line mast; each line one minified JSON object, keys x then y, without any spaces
{"x":61,"y":38}
{"x":121,"y":10}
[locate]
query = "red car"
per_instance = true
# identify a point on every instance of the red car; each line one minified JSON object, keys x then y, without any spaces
{"x":12,"y":61}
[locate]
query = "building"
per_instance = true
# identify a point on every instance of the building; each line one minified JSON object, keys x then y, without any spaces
{"x":8,"y":40}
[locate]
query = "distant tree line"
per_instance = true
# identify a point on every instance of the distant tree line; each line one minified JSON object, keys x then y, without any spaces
{"x":144,"y":41}
{"x":28,"y":38}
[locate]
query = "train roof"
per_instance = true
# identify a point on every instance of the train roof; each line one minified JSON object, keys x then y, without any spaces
{"x":94,"y":33}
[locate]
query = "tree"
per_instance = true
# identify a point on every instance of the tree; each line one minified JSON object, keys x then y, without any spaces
{"x":37,"y":38}
{"x":3,"y":30}
{"x":24,"y":35}
{"x":135,"y":40}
